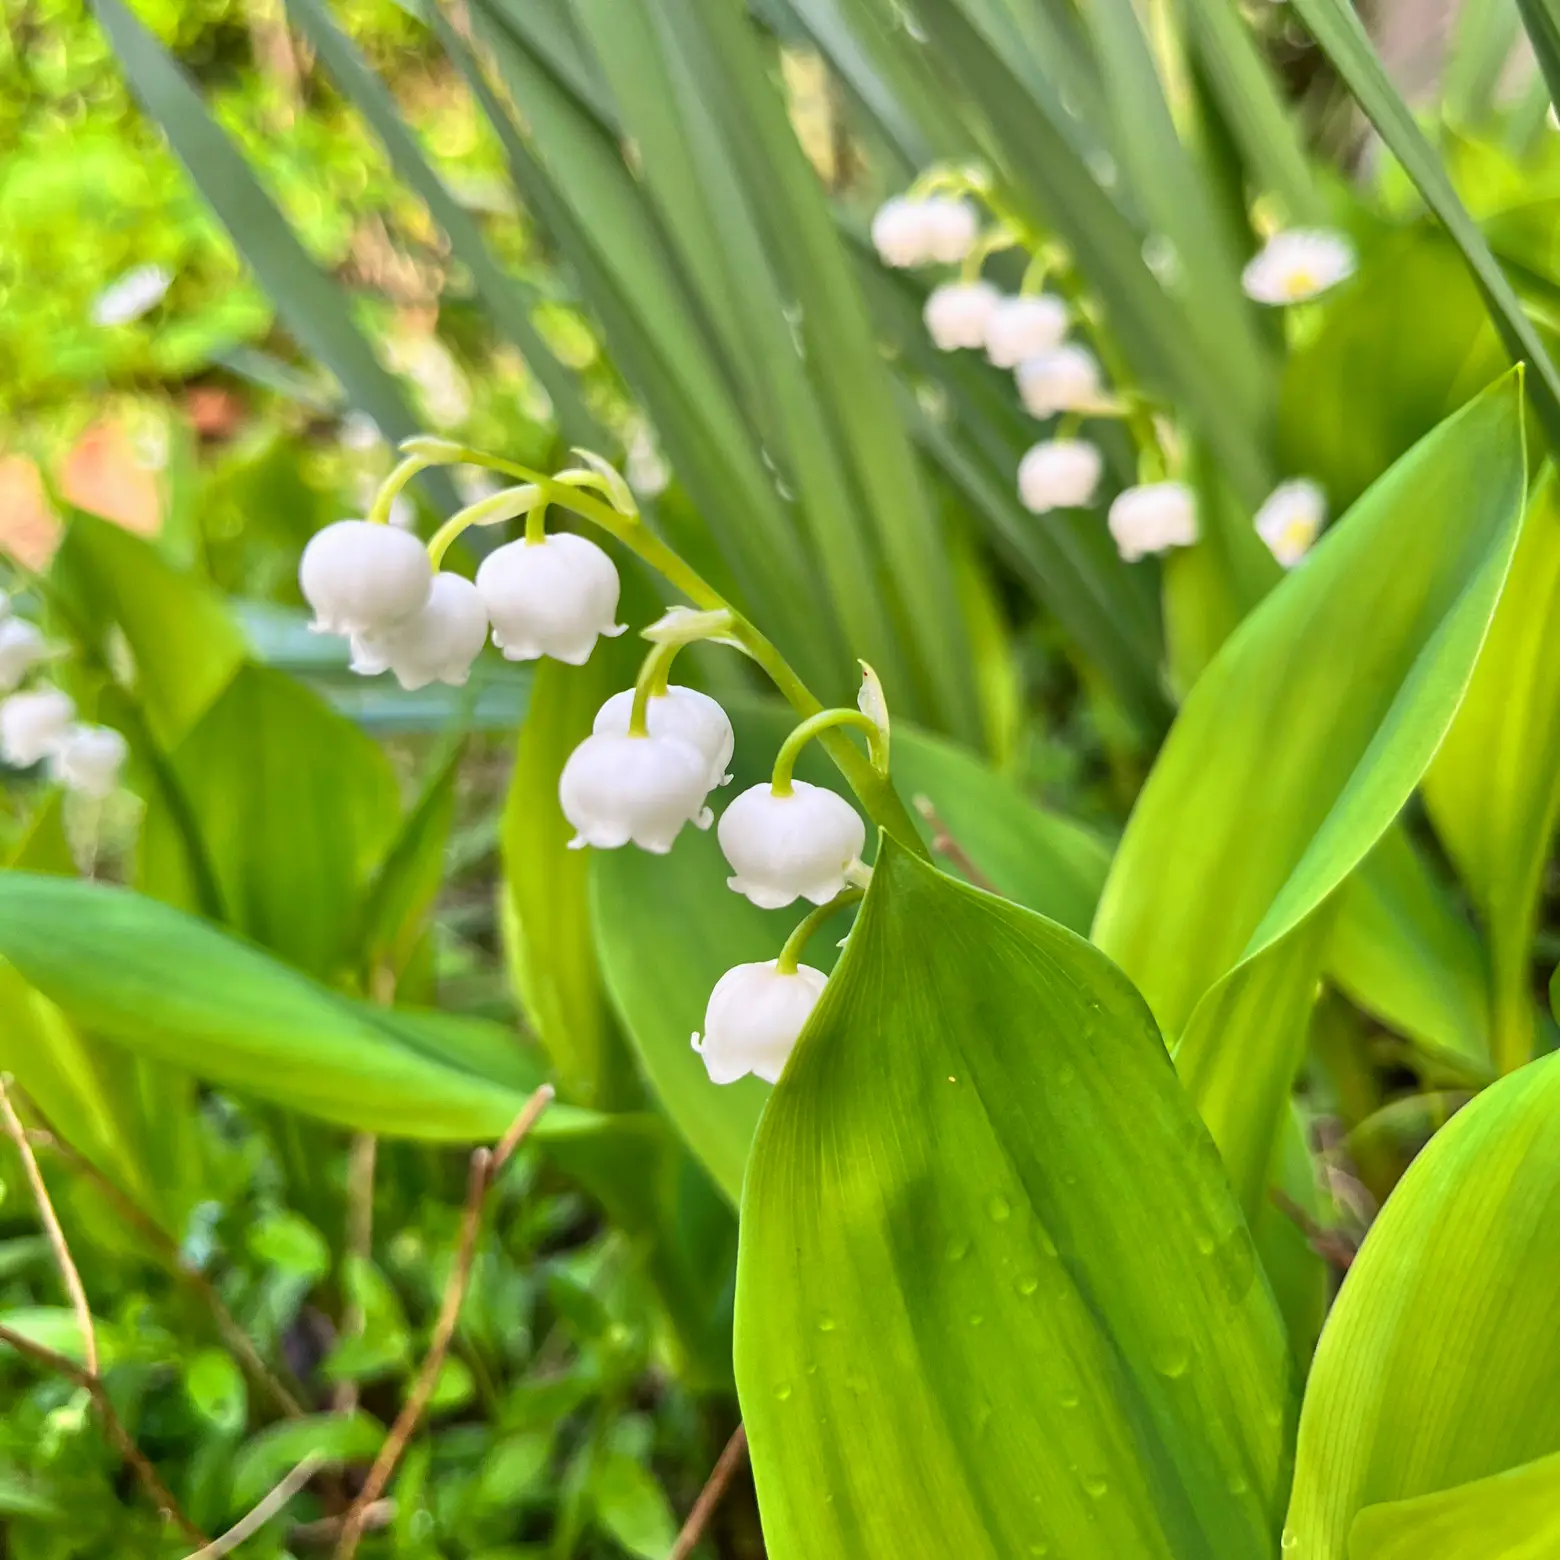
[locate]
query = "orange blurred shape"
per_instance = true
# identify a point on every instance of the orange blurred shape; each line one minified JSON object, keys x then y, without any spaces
{"x":214,"y":411}
{"x":29,"y":528}
{"x":104,"y":475}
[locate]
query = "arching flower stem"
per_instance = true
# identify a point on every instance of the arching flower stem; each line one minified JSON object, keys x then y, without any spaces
{"x":796,"y":944}
{"x":390,"y":488}
{"x":492,"y":510}
{"x":874,"y":791}
{"x":650,"y":684}
{"x":815,"y":726}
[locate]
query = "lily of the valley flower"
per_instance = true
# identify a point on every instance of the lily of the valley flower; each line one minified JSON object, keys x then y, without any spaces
{"x":910,"y":231}
{"x":616,"y":789}
{"x":788,"y":845}
{"x":1291,"y":519}
{"x":1297,"y":265}
{"x":33,"y":725}
{"x":755,"y":1014}
{"x":436,"y":644}
{"x":1064,"y":380}
{"x":1153,"y":518}
{"x":683,"y":713}
{"x":550,"y":597}
{"x":957,"y":312}
{"x":362,"y":578}
{"x":21,"y":648}
{"x":88,"y":760}
{"x":1019,"y":328}
{"x":1059,"y":474}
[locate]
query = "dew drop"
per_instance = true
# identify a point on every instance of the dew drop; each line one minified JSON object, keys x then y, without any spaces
{"x":1043,"y":1237}
{"x":1095,"y":1485}
{"x":1204,"y":1242}
{"x":1028,"y":1285}
{"x":1000,"y":1209}
{"x":1066,"y":1073}
{"x":1069,"y":1179}
{"x":976,"y":1319}
{"x":1172,"y":1357}
{"x":1238,"y":1486}
{"x":826,"y":1323}
{"x":812,"y":1367}
{"x":1068,"y":1397}
{"x":783,"y":1391}
{"x":957,"y":1249}
{"x":1038,"y":1550}
{"x":1289,"y":1541}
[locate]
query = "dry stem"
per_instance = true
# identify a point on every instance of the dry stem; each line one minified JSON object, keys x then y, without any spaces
{"x":945,"y":845}
{"x":711,"y":1495}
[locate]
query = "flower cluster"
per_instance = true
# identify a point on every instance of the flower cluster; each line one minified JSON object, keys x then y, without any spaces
{"x":1057,"y":377}
{"x":656,"y":751}
{"x":39,"y":725}
{"x":377,"y":585}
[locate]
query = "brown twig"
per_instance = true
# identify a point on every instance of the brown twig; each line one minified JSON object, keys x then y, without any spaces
{"x":485,"y":1166}
{"x":380,"y":1515}
{"x":51,"y":1227}
{"x":944,"y":844}
{"x":253,"y":1521}
{"x":711,"y":1495}
{"x":167,"y":1249}
{"x":113,"y":1426}
{"x":1327,"y":1244}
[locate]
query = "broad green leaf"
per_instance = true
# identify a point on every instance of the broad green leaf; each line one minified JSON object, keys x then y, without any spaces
{"x":55,"y":1327}
{"x":1293,"y":754}
{"x":632,"y":1507}
{"x":668,"y":927}
{"x":1513,"y":1515}
{"x":1541,"y":19}
{"x":183,"y":647}
{"x":1403,"y":948}
{"x":294,"y":806}
{"x":1440,"y":1363}
{"x":312,"y":303}
{"x":545,"y":900}
{"x":1494,"y":789}
{"x":994,"y":1297}
{"x":169,"y":987}
{"x":1343,"y":39}
{"x":509,"y":300}
{"x":267,"y":1458}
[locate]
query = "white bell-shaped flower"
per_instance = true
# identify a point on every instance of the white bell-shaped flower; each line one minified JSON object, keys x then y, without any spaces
{"x":755,"y":1014}
{"x":956,"y":313}
{"x":1297,"y":265}
{"x":683,"y":713}
{"x":952,"y":226}
{"x":1059,"y":474}
{"x":616,"y":789}
{"x":362,"y":578}
{"x":901,"y":232}
{"x":21,"y":648}
{"x":1291,"y":518}
{"x":33,"y":725}
{"x":438,"y":644}
{"x":1153,"y":518}
{"x":552,"y":597}
{"x":1064,"y":380}
{"x":89,"y":759}
{"x":1020,"y":328}
{"x":785,"y":847}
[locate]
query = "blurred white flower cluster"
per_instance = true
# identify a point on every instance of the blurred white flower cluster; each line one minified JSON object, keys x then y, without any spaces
{"x":38,"y":725}
{"x":1055,"y":377}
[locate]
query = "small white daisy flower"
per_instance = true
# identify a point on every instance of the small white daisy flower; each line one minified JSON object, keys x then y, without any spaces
{"x":1299,"y":264}
{"x":1291,"y":518}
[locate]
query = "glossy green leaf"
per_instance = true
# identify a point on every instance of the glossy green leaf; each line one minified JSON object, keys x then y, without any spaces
{"x":295,"y":807}
{"x":1295,"y":751}
{"x":1440,"y":1363}
{"x":169,"y":987}
{"x":632,"y":1507}
{"x":994,"y":1298}
{"x":1513,"y":1515}
{"x":267,"y":1458}
{"x":1343,"y":39}
{"x":508,"y":300}
{"x":312,"y":304}
{"x":1494,"y":789}
{"x":668,"y":927}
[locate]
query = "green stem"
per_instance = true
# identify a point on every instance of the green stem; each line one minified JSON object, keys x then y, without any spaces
{"x":875,"y":792}
{"x":492,"y":510}
{"x":650,"y":684}
{"x":816,"y":725}
{"x":389,"y":489}
{"x":796,"y":943}
{"x":536,"y":526}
